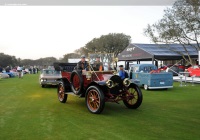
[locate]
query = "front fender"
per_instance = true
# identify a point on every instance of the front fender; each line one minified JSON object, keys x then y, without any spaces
{"x":102,"y":83}
{"x":99,"y":83}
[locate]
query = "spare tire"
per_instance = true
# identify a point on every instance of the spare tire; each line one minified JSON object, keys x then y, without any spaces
{"x":76,"y":82}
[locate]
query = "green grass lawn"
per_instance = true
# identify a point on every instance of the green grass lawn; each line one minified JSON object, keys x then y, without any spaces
{"x":28,"y":111}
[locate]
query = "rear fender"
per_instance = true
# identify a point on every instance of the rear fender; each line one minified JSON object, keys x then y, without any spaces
{"x":66,"y":83}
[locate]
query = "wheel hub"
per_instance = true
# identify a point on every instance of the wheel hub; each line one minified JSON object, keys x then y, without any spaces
{"x":93,"y":99}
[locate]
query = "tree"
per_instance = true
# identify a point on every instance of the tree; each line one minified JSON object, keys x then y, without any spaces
{"x":180,"y":24}
{"x":7,"y":60}
{"x":47,"y":61}
{"x":28,"y":62}
{"x":111,"y":43}
{"x":82,"y":50}
{"x":70,"y":55}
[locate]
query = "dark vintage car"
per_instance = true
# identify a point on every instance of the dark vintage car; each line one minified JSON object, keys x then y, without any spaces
{"x":97,"y":87}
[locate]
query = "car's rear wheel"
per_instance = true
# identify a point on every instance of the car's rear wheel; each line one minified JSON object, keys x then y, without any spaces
{"x":76,"y":82}
{"x":62,"y":97}
{"x":133,"y":97}
{"x":95,"y":99}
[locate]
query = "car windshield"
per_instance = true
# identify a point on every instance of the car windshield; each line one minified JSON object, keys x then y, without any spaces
{"x":195,"y":67}
{"x":101,"y":61}
{"x":51,"y":72}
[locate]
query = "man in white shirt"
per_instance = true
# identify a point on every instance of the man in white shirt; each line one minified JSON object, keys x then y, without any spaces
{"x":19,"y":70}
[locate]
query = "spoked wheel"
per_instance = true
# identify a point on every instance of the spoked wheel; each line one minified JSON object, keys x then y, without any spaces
{"x":76,"y":82}
{"x":62,"y":97}
{"x":95,"y":100}
{"x":133,"y":97}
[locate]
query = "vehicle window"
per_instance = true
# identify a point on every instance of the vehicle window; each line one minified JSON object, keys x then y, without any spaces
{"x":131,"y":69}
{"x":106,"y":61}
{"x":136,"y":69}
{"x":195,"y":67}
{"x":48,"y":72}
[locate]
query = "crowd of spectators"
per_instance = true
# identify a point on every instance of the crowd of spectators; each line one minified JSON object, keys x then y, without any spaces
{"x":18,"y":70}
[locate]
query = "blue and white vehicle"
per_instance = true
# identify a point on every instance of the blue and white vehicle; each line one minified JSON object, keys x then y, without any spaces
{"x":150,"y":77}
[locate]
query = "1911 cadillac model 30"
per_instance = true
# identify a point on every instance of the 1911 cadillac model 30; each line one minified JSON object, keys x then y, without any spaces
{"x":97,"y":87}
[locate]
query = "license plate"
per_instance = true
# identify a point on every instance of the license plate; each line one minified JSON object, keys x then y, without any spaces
{"x":162,"y":83}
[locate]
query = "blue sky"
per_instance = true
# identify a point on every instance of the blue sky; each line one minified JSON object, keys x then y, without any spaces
{"x":33,"y":32}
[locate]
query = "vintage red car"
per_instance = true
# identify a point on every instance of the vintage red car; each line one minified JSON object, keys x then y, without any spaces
{"x":97,"y":87}
{"x":194,"y":71}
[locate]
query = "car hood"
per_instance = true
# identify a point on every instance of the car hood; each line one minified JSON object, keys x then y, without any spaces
{"x":101,"y":77}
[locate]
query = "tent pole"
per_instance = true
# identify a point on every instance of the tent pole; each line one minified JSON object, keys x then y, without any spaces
{"x":156,"y":63}
{"x":153,"y":60}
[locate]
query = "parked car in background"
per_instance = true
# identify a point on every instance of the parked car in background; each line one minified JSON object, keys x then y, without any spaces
{"x":175,"y":69}
{"x":194,"y":70}
{"x":11,"y":74}
{"x":171,"y":68}
{"x":181,"y":68}
{"x":14,"y":73}
{"x":4,"y":75}
{"x":49,"y":77}
{"x":150,"y":77}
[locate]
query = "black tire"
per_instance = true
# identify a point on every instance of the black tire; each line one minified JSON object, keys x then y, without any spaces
{"x":62,"y":97}
{"x":95,"y":99}
{"x":42,"y":86}
{"x":76,"y":81}
{"x":133,"y":97}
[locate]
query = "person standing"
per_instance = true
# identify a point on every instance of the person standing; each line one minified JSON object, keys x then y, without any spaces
{"x":1,"y":69}
{"x":7,"y":69}
{"x":19,"y":70}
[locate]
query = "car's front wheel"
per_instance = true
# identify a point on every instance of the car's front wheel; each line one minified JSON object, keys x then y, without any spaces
{"x":95,"y":99}
{"x":133,"y":97}
{"x":62,"y":97}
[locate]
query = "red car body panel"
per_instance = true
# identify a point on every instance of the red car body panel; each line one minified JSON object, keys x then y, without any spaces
{"x":194,"y":70}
